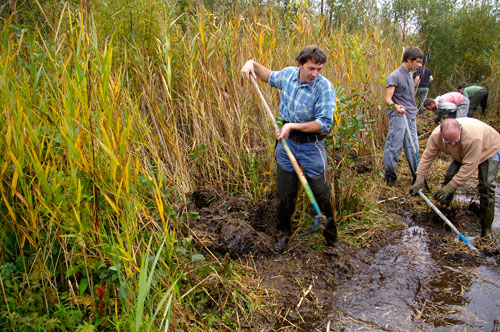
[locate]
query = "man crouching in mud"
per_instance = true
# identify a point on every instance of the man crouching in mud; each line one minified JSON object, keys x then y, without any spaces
{"x":307,"y":103}
{"x":472,"y":145}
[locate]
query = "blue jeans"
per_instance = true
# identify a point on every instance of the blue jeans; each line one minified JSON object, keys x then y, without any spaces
{"x":397,"y":139}
{"x":311,"y":157}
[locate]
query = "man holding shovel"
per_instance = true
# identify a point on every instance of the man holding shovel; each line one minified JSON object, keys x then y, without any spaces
{"x":473,"y":145}
{"x":399,"y":89}
{"x":307,"y":103}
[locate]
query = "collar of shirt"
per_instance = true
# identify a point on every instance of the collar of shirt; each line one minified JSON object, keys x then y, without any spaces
{"x":301,"y":85}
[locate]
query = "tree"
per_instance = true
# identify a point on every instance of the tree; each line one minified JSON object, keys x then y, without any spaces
{"x":459,"y":39}
{"x":351,"y":14}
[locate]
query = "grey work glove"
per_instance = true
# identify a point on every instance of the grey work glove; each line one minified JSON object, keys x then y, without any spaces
{"x":445,"y":194}
{"x":416,"y":187}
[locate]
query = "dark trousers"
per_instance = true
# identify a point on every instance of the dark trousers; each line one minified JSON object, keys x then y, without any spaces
{"x":286,"y":198}
{"x":487,"y":174}
{"x":480,"y":98}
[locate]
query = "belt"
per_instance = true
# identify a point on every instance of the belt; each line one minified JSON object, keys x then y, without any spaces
{"x":307,"y":139}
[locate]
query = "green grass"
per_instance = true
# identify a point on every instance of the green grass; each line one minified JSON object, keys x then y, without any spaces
{"x":110,"y":116}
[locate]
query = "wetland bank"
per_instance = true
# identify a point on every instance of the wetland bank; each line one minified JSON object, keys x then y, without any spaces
{"x":112,"y":111}
{"x":411,"y":275}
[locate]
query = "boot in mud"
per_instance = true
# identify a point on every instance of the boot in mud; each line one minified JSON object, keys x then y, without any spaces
{"x":487,"y":173}
{"x":330,"y":234}
{"x":286,"y":197}
{"x":280,"y":245}
{"x":321,"y":190}
{"x":486,"y":219}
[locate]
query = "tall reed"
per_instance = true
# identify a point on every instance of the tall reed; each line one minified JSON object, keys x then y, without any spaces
{"x":75,"y":193}
{"x":107,"y":126}
{"x":494,"y":82}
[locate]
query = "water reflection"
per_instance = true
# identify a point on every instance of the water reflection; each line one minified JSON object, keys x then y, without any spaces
{"x":407,"y":287}
{"x":496,"y":221}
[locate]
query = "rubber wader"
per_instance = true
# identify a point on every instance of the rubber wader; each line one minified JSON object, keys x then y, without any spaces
{"x":286,"y":198}
{"x":321,"y":190}
{"x":487,"y":175}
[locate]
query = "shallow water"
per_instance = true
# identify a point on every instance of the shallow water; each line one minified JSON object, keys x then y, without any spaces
{"x":407,"y":287}
{"x":496,"y":222}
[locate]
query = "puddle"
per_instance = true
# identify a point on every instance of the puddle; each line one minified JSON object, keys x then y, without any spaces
{"x":409,"y":288}
{"x":412,"y":277}
{"x":480,"y":304}
{"x":382,"y":296}
{"x":466,"y":199}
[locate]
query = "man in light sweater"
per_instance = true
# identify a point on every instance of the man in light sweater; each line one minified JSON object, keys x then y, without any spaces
{"x":473,"y":145}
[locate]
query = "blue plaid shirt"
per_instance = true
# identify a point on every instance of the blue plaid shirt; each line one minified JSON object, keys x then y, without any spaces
{"x":304,"y":102}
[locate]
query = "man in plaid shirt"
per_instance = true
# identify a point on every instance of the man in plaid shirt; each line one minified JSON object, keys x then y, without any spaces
{"x":307,"y":103}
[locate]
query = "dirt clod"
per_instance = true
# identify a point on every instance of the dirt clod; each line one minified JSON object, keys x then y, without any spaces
{"x":310,"y":281}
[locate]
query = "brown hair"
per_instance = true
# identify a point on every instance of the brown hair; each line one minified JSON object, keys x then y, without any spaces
{"x":412,"y":53}
{"x":313,"y":53}
{"x":427,"y":102}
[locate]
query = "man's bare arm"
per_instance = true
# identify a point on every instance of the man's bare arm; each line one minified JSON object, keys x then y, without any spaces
{"x":312,"y":127}
{"x":389,"y":92}
{"x":256,"y":70}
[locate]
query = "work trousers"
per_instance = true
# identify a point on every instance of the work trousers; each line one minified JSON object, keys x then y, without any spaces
{"x":421,"y":95}
{"x":480,"y":98}
{"x":398,"y":139}
{"x":487,"y":174}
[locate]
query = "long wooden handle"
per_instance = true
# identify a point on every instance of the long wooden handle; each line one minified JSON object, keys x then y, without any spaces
{"x":295,"y":164}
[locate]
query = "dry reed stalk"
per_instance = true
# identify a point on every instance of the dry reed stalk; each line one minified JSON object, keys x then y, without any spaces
{"x":101,"y":134}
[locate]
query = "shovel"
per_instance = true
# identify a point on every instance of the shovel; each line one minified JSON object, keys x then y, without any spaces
{"x":320,"y":220}
{"x":413,"y":171}
{"x":439,"y":213}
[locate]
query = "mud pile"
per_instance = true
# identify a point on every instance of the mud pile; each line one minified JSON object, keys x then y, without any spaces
{"x":233,"y":225}
{"x":406,"y":278}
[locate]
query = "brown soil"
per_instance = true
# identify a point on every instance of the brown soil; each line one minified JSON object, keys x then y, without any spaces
{"x":300,"y":284}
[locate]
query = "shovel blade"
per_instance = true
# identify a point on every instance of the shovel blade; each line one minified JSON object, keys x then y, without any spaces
{"x":319,"y":224}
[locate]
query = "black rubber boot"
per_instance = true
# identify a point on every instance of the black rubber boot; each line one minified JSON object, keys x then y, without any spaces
{"x":286,"y":197}
{"x":321,"y":190}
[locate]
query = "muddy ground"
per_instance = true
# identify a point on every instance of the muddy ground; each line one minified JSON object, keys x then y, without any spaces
{"x":409,"y":274}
